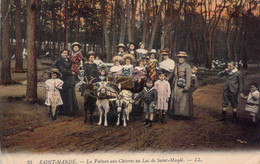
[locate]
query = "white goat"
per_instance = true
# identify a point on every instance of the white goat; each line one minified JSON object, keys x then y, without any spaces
{"x":124,"y":103}
{"x":104,"y":93}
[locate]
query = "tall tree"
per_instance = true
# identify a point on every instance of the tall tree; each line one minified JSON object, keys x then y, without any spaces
{"x":6,"y":57}
{"x":133,"y":17}
{"x":54,"y":26}
{"x":122,"y":22}
{"x":146,"y":20}
{"x":31,"y":94}
{"x":105,"y":28}
{"x":114,"y":31}
{"x":211,"y":12}
{"x":66,"y":24}
{"x":18,"y":44}
{"x":128,"y":21}
{"x":155,"y":25}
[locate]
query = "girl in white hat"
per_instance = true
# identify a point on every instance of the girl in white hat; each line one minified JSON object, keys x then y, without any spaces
{"x":52,"y":86}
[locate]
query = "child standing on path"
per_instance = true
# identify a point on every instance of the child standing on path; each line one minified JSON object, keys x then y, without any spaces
{"x":164,"y":91}
{"x":252,"y":104}
{"x":232,"y":87}
{"x":149,"y":97}
{"x":52,"y":87}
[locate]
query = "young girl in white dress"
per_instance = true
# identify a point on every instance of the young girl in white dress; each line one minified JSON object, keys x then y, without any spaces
{"x":52,"y":86}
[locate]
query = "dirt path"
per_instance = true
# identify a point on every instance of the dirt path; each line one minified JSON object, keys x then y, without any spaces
{"x":26,"y":127}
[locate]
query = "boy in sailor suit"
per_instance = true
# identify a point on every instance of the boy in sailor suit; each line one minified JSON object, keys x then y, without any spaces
{"x":149,"y":97}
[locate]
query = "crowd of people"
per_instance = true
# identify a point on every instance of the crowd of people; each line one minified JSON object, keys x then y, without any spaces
{"x":162,"y":86}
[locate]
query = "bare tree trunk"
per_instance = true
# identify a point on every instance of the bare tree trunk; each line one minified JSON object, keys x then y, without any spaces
{"x":6,"y":57}
{"x":244,"y":41}
{"x":18,"y":46}
{"x":227,"y":40}
{"x":78,"y":23}
{"x":155,"y":25}
{"x":145,"y":22}
{"x":31,"y":94}
{"x":59,"y":30}
{"x":234,"y":43}
{"x":115,"y":28}
{"x":105,"y":30}
{"x":122,"y":23}
{"x":66,"y":24}
{"x":54,"y":26}
{"x":194,"y":43}
{"x":134,"y":6}
{"x":128,"y":21}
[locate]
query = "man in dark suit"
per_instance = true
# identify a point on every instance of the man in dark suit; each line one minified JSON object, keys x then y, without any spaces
{"x":232,"y":87}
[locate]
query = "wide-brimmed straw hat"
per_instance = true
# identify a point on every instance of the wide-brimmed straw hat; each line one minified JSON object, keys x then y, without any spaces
{"x":117,"y":58}
{"x":121,"y":45}
{"x":76,"y":44}
{"x":55,"y":70}
{"x":128,"y":56}
{"x":182,"y":54}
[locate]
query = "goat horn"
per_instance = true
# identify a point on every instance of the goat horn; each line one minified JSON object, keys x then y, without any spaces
{"x":92,"y":80}
{"x":86,"y":79}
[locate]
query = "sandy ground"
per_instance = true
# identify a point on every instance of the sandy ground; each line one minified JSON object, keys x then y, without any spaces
{"x":27,"y":127}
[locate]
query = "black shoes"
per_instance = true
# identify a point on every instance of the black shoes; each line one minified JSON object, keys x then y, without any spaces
{"x":223,"y":116}
{"x":156,"y":119}
{"x":149,"y":124}
{"x":146,"y":122}
{"x":234,"y":119}
{"x":163,"y":119}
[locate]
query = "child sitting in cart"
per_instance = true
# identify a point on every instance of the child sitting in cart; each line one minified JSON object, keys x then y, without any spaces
{"x":116,"y":70}
{"x":52,"y":87}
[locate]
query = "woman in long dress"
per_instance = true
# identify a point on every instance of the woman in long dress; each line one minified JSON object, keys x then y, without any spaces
{"x":181,"y":102}
{"x":68,"y":94}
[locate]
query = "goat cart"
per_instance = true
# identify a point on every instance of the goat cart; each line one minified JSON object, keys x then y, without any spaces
{"x":126,"y":82}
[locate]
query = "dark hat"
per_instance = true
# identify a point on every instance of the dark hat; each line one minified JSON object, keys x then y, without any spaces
{"x":56,"y":71}
{"x":149,"y":80}
{"x":76,"y":44}
{"x":91,"y":53}
{"x":145,"y":57}
{"x":165,"y":51}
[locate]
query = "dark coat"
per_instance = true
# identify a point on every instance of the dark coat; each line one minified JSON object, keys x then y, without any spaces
{"x":234,"y":81}
{"x":68,"y":95}
{"x":91,"y":71}
{"x":148,"y":96}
